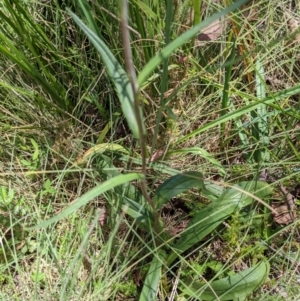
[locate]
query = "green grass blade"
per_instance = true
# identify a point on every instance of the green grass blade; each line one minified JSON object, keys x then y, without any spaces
{"x":89,"y":196}
{"x":131,"y":199}
{"x":22,"y":25}
{"x":138,"y":212}
{"x":244,"y":139}
{"x":88,"y":15}
{"x":228,"y":71}
{"x":144,"y":26}
{"x":17,"y":23}
{"x":181,"y":40}
{"x":244,"y":110}
{"x":117,"y":75}
{"x":197,"y":6}
{"x":164,"y":79}
{"x":20,"y":59}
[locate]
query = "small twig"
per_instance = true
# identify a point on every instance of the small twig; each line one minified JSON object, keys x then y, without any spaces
{"x":263,"y":175}
{"x":290,"y":201}
{"x":127,"y":52}
{"x":175,"y":286}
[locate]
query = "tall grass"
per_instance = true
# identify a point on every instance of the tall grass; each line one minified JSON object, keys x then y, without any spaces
{"x":213,"y":117}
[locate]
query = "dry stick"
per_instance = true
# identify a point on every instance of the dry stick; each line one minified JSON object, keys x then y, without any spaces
{"x":132,"y":77}
{"x":290,"y":202}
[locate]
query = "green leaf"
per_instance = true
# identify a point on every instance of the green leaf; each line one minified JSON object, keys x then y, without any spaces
{"x":137,"y":212}
{"x":181,"y":40}
{"x":134,"y":204}
{"x":212,"y":191}
{"x":197,"y":14}
{"x":35,"y":155}
{"x":151,"y":283}
{"x":89,"y":196}
{"x":26,"y":163}
{"x":176,"y":185}
{"x":235,"y":287}
{"x":117,"y":75}
{"x":207,"y":219}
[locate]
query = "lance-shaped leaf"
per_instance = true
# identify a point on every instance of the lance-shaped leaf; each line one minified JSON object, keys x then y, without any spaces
{"x":235,"y":287}
{"x":176,"y":185}
{"x":207,"y":219}
{"x":117,"y":75}
{"x":152,"y":280}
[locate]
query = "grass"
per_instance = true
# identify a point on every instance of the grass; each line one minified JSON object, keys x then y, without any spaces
{"x":84,"y":213}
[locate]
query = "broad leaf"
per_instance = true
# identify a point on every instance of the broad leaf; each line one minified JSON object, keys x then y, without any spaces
{"x":235,"y":287}
{"x":152,"y":280}
{"x":206,"y":220}
{"x":176,"y":185}
{"x":212,"y":191}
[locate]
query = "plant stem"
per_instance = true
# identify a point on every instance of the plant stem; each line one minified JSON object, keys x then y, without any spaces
{"x":132,"y":77}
